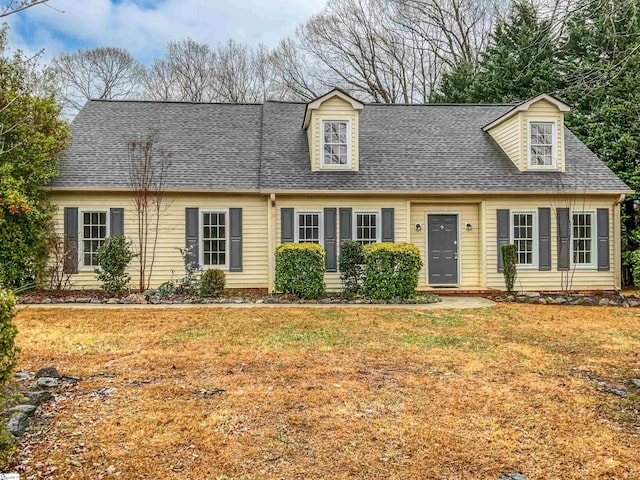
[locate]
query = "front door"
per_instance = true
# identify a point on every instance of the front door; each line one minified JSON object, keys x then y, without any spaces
{"x":442,"y":249}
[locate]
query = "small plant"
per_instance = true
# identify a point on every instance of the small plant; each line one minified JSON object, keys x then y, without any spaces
{"x":8,"y":333}
{"x":351,"y":266}
{"x":635,"y":268}
{"x":212,"y":283}
{"x":300,"y":269}
{"x":509,"y":265}
{"x":55,"y":276}
{"x":391,"y":270}
{"x":166,"y":289}
{"x":190,"y":283}
{"x":113,"y":258}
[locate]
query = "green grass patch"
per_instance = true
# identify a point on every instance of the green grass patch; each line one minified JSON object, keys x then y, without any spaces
{"x":322,"y":337}
{"x":431,"y":340}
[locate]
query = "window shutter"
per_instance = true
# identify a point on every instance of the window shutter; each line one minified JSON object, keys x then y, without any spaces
{"x":563,"y":238}
{"x":330,"y":240}
{"x":192,"y":236}
{"x":388,"y":225}
{"x":287,"y":225}
{"x":346,"y":224}
{"x":603,"y":239}
{"x":544,"y":238}
{"x":116,"y":222}
{"x":502,"y":218}
{"x":71,"y":240}
{"x":235,"y":239}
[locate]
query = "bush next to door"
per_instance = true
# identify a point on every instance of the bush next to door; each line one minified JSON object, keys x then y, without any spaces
{"x":391,"y":270}
{"x":113,"y":258}
{"x":300,"y":269}
{"x":351,"y":266}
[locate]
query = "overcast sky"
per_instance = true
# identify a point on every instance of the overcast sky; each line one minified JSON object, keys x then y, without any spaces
{"x":146,"y":26}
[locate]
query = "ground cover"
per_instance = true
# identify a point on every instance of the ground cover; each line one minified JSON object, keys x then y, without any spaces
{"x":223,"y":393}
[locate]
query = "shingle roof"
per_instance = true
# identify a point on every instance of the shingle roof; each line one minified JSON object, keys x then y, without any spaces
{"x":210,"y":146}
{"x":427,"y":148}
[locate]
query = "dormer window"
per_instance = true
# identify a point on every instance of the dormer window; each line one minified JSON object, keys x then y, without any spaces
{"x":542,"y":145}
{"x":336,"y":140}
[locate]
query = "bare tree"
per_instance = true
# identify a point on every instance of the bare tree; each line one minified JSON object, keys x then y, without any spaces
{"x":101,"y":73}
{"x":9,"y":7}
{"x":147,"y":165}
{"x":236,"y":76}
{"x":293,"y":73}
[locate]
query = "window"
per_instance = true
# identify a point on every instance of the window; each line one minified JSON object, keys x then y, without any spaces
{"x":335,"y":143}
{"x":542,"y":144}
{"x":367,"y":227}
{"x":583,"y":238}
{"x":308,"y":227}
{"x":94,"y":233}
{"x":214,"y":239}
{"x":524,"y":237}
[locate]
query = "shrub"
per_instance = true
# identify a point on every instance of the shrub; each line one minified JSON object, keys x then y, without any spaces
{"x":300,"y":269}
{"x":391,"y":270}
{"x":212,"y":283}
{"x":8,"y":333}
{"x":509,"y":265}
{"x":113,"y":258}
{"x":635,"y":268}
{"x":351,"y":266}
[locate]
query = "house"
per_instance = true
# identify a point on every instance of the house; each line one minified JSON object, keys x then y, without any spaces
{"x":457,"y":181}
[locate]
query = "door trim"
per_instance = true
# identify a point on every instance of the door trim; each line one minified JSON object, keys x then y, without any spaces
{"x":458,"y":216}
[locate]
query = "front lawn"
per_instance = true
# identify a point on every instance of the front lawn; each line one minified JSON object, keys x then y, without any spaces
{"x":337,"y":393}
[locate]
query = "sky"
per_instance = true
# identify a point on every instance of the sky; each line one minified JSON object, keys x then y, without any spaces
{"x":146,"y":26}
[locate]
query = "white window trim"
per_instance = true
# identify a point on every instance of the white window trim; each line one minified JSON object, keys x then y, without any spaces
{"x":554,"y":149}
{"x":201,"y":239}
{"x":297,"y":213}
{"x":81,"y":266}
{"x":349,"y":164}
{"x":594,"y":241}
{"x":354,"y":225}
{"x":534,"y":265}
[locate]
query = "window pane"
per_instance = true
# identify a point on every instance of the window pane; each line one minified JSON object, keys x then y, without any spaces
{"x":335,"y":143}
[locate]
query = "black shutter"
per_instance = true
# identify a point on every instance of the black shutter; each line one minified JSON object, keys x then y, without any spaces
{"x":287,"y":225}
{"x":544,"y":238}
{"x":564,"y":234}
{"x":346,"y":224}
{"x":388,"y":226}
{"x":603,"y":239}
{"x":192,"y":236}
{"x":116,"y":222}
{"x":71,"y":240}
{"x":330,"y":240}
{"x":235,"y":239}
{"x":502,"y":219}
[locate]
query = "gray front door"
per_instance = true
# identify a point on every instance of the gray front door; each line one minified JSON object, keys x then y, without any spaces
{"x":442,"y":249}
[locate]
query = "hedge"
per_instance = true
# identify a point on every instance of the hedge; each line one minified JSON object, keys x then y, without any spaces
{"x":509,"y":252}
{"x":300,"y":269}
{"x":351,"y":266}
{"x":391,"y":270}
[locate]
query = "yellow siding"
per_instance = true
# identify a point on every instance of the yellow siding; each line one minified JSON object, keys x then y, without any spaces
{"x":332,"y":280}
{"x":334,"y":108}
{"x":470,"y":240}
{"x":172,"y":233}
{"x":508,"y":136}
{"x":543,"y":110}
{"x":582,"y":279}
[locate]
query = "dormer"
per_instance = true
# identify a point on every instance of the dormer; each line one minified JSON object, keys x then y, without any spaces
{"x":331,"y":122}
{"x":532,"y":134}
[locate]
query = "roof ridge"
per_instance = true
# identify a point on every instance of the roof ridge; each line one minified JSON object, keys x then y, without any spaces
{"x":181,"y":102}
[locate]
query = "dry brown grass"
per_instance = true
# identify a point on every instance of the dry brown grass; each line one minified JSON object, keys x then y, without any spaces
{"x":351,"y":393}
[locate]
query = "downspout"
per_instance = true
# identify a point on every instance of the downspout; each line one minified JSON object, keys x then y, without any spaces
{"x":271,"y":241}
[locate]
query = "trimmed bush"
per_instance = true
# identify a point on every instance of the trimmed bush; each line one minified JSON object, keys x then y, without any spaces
{"x":113,"y":258}
{"x":351,"y":266}
{"x":212,"y":283}
{"x":635,"y":268}
{"x":509,"y":265}
{"x":8,"y":333}
{"x":391,"y":270}
{"x":300,"y":269}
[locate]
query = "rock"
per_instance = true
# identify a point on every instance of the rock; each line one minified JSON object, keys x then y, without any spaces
{"x":37,"y":397}
{"x":96,"y":300}
{"x":9,"y":476}
{"x":603,"y":302}
{"x":542,"y":301}
{"x":17,"y":424}
{"x":530,"y":294}
{"x":635,"y":382}
{"x":559,"y":301}
{"x":112,"y":301}
{"x":70,"y":300}
{"x":24,"y":375}
{"x":259,"y":301}
{"x":48,"y":382}
{"x":83,"y":300}
{"x":512,"y":476}
{"x":633,"y":302}
{"x":136,"y":298}
{"x":615,"y":391}
{"x":45,"y":301}
{"x":27,"y":409}
{"x":51,"y":372}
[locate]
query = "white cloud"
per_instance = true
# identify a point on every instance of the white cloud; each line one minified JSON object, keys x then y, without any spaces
{"x":145,"y":27}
